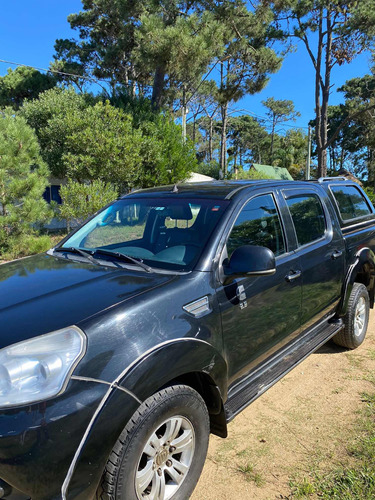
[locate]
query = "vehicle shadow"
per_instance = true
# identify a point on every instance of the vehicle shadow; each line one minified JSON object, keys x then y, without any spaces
{"x":330,"y":348}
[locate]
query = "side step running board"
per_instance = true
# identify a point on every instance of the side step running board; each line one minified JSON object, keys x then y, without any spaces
{"x":258,"y":383}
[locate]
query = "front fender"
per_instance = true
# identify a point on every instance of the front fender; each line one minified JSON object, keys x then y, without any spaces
{"x":148,"y":373}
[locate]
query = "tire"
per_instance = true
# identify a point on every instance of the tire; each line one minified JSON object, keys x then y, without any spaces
{"x":146,"y":457}
{"x":356,"y":319}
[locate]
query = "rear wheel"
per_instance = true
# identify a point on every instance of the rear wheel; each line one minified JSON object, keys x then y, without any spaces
{"x":161,"y":452}
{"x":356,"y":319}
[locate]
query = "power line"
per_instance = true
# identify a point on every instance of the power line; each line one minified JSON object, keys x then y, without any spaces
{"x":63,"y":73}
{"x":251,"y":113}
{"x":200,"y":83}
{"x":97,"y":80}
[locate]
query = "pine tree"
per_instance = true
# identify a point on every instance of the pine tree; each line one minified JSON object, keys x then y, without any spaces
{"x":23,"y":179}
{"x":279,"y":111}
{"x":333,"y":32}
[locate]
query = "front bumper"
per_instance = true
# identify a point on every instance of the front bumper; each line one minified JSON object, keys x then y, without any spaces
{"x":38,"y":442}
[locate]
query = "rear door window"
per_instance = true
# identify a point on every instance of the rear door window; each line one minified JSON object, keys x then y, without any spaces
{"x":308,"y":217}
{"x":350,"y":202}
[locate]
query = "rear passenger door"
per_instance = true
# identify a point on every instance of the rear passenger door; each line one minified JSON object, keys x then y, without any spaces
{"x":320,"y":248}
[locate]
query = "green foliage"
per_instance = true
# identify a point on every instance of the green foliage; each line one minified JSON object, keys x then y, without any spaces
{"x":26,"y":244}
{"x":291,"y":152}
{"x":279,"y":111}
{"x":333,"y":33}
{"x":23,"y":179}
{"x":251,"y":175}
{"x":175,"y":42}
{"x":356,"y":141}
{"x":165,"y":158}
{"x":212,"y":169}
{"x":86,"y":140}
{"x":50,"y":117}
{"x":140,"y":43}
{"x":23,"y":83}
{"x":371,"y":194}
{"x":79,"y":201}
{"x":249,"y":141}
{"x":102,"y":144}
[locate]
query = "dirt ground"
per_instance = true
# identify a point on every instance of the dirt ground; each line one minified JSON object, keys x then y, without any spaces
{"x":302,"y":424}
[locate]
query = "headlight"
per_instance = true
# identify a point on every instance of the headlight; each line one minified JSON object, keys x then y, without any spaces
{"x":39,"y":368}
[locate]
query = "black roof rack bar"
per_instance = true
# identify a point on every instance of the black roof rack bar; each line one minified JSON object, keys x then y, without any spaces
{"x":323,"y":179}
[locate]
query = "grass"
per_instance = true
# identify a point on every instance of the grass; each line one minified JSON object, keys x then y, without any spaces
{"x":30,"y":244}
{"x":354,"y":479}
{"x":249,"y":473}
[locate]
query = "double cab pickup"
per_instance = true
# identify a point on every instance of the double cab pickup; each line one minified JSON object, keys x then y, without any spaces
{"x":162,"y":317}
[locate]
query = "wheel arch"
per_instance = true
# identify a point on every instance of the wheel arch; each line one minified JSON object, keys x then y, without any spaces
{"x":361,"y":271}
{"x":191,"y":362}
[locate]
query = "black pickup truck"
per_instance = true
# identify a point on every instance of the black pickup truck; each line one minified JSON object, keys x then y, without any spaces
{"x":160,"y":319}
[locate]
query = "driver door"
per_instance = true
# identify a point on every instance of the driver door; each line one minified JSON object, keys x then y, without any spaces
{"x":259,"y":314}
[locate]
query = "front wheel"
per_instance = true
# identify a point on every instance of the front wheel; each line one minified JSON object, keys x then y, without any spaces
{"x":161,"y":452}
{"x":356,"y":318}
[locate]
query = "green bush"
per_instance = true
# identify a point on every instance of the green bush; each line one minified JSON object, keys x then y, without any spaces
{"x":25,"y":245}
{"x":249,"y":175}
{"x":79,"y":201}
{"x":23,"y":179}
{"x":371,"y":194}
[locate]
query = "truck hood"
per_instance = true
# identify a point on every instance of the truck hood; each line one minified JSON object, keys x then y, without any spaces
{"x":43,"y":293}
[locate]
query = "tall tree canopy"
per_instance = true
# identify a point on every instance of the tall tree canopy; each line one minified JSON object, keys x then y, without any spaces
{"x":23,"y":83}
{"x":141,"y":45}
{"x":333,"y":32}
{"x":278,"y":111}
{"x":247,"y":60}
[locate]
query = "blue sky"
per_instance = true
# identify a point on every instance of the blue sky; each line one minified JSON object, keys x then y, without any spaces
{"x":29,"y":30}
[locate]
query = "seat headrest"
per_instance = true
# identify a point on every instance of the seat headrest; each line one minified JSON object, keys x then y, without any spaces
{"x":179,"y":212}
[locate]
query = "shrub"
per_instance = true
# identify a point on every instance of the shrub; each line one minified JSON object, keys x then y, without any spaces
{"x":79,"y":201}
{"x":25,"y":245}
{"x":23,"y":179}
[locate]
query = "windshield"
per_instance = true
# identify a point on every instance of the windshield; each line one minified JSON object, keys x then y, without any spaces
{"x":164,"y":233}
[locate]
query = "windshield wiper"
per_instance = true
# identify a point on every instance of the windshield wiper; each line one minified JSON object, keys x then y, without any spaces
{"x":122,"y":256}
{"x":84,"y":253}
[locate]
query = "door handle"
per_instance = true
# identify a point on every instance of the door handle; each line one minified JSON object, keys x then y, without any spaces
{"x":336,"y":254}
{"x":293,"y":276}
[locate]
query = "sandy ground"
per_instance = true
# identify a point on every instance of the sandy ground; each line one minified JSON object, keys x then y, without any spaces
{"x":301,"y":424}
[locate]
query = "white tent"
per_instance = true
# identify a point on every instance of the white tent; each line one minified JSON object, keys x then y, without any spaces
{"x":194,"y":177}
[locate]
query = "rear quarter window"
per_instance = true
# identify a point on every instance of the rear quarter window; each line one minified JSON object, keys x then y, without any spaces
{"x":350,"y":202}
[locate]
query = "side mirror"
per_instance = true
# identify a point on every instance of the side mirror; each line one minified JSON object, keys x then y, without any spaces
{"x":250,"y":260}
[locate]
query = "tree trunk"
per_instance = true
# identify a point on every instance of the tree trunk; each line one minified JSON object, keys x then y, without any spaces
{"x":325,"y":96}
{"x":342,"y":159}
{"x":272,"y":139}
{"x":235,"y":167}
{"x":158,"y":87}
{"x":223,"y":145}
{"x":210,"y":138}
{"x":184,"y":113}
{"x":321,"y":153}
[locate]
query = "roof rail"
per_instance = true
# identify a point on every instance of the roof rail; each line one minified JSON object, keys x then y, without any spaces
{"x":323,"y":179}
